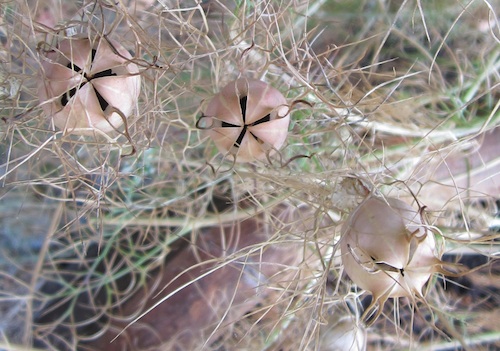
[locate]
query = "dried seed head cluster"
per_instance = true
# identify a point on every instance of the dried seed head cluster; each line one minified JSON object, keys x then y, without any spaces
{"x":371,"y":112}
{"x":248,"y":119}
{"x":387,"y":249}
{"x":89,"y":85}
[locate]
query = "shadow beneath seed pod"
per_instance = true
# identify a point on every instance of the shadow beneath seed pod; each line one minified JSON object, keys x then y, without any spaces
{"x":205,"y":285}
{"x":206,"y":294}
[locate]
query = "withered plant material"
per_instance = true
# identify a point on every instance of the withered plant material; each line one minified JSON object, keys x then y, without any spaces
{"x":210,"y":283}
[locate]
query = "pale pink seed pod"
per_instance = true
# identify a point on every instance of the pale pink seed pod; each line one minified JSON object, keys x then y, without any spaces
{"x":89,"y":85}
{"x":248,"y":119}
{"x":387,"y":250}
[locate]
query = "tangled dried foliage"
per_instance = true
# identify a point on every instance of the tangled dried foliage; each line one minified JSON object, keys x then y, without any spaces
{"x":147,"y":237}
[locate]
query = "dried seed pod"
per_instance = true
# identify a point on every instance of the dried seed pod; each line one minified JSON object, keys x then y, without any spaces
{"x":342,"y":333}
{"x":387,"y":250}
{"x":248,"y":119}
{"x":88,"y":86}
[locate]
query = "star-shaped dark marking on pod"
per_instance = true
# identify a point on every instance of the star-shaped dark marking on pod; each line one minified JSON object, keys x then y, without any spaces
{"x":243,"y":107}
{"x":87,"y":79}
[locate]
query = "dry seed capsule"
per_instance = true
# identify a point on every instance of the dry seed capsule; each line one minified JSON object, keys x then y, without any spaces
{"x":387,"y":249}
{"x":89,"y":85}
{"x":248,"y":119}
